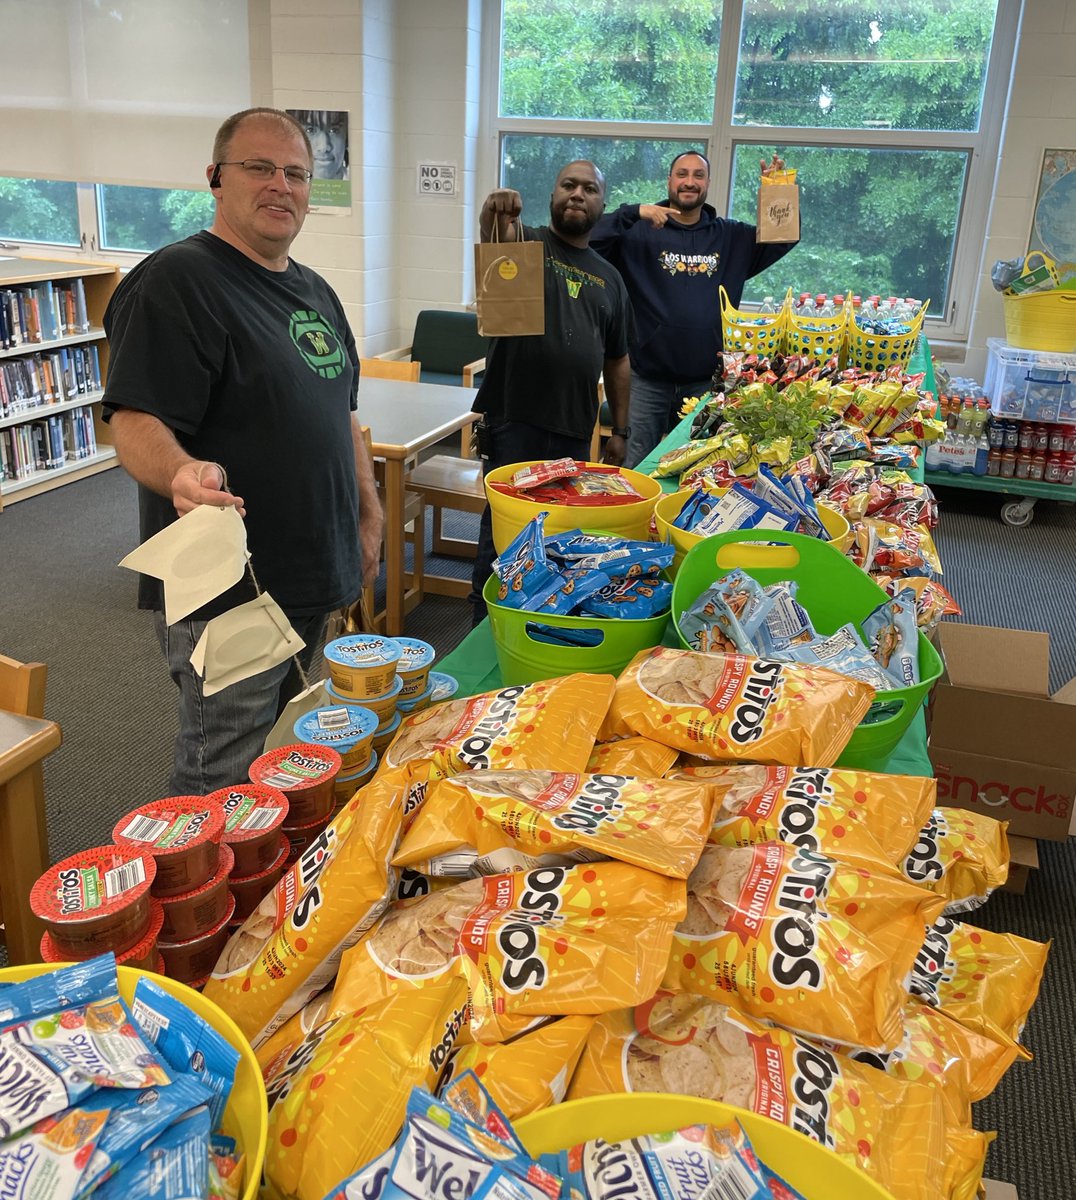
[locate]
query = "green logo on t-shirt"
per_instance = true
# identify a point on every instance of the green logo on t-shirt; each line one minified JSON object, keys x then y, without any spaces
{"x":317,"y":343}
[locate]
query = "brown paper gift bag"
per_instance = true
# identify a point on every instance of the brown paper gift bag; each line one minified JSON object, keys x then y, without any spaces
{"x":778,"y":213}
{"x":510,"y":287}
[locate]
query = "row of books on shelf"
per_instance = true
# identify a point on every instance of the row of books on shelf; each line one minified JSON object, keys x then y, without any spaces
{"x":48,"y":377}
{"x":42,"y":312}
{"x":46,"y":444}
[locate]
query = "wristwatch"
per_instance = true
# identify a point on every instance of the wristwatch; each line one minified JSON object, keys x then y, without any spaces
{"x":621,"y":430}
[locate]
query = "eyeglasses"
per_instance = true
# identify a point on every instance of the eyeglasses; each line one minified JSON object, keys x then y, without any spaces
{"x":262,"y":168}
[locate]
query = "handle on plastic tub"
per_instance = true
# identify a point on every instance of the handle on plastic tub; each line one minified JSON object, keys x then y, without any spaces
{"x":587,"y":638}
{"x":757,"y":548}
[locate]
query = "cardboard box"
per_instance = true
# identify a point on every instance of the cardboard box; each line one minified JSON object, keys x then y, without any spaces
{"x":1023,"y":859}
{"x":999,"y":1191}
{"x":999,"y":742}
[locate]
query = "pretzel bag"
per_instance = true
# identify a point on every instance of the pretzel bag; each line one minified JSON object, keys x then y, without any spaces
{"x":487,"y":822}
{"x":551,"y":941}
{"x":694,"y":1046}
{"x":852,"y":815}
{"x":961,"y":855}
{"x":734,"y":708}
{"x":787,"y":935}
{"x":289,"y":948}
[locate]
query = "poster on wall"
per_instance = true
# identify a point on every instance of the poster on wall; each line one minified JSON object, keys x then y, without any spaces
{"x":1053,"y":228}
{"x":327,"y":129}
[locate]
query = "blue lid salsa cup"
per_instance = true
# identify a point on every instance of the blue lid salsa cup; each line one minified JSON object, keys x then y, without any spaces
{"x":416,"y":703}
{"x":348,"y":728}
{"x":444,"y":686}
{"x":416,"y":658}
{"x":383,"y":707}
{"x":362,"y":665}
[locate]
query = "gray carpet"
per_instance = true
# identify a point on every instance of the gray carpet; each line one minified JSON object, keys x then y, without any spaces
{"x":65,"y":602}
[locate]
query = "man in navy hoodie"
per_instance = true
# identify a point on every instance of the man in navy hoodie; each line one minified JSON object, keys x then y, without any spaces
{"x":673,"y":256}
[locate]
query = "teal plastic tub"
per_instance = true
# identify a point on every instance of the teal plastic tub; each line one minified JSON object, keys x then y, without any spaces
{"x":834,"y":591}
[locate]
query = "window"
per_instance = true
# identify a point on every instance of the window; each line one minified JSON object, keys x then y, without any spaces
{"x":144,"y":219}
{"x":39,"y":210}
{"x":891,"y":116}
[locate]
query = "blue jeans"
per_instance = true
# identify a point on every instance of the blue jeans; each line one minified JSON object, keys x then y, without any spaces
{"x":221,"y":735}
{"x":655,"y":408}
{"x":512,"y":442}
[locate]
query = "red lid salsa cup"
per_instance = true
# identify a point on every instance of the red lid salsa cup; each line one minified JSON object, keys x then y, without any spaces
{"x":253,"y":815}
{"x":96,"y":901}
{"x":196,"y":958}
{"x":416,"y":658}
{"x":182,"y":833}
{"x":142,"y":954}
{"x":362,"y":664}
{"x":305,"y":773}
{"x":191,"y":914}
{"x":249,"y":890}
{"x":347,"y":728}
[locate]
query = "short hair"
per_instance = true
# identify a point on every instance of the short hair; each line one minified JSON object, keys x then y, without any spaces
{"x":599,"y":175}
{"x":223,"y":141}
{"x":689,"y":154}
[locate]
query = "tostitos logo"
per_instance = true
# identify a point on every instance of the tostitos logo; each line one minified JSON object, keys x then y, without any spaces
{"x":317,"y":343}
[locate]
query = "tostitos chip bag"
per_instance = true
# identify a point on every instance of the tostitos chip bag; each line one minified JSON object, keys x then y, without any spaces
{"x":730,"y":707}
{"x":851,"y":815}
{"x":792,"y":936}
{"x":488,"y":822}
{"x":528,"y":1073}
{"x":694,"y":1046}
{"x":522,"y":727}
{"x":289,"y":948}
{"x":551,"y":941}
{"x":338,"y":1096}
{"x":631,"y":756}
{"x":987,"y":981}
{"x":965,"y":1158}
{"x":961,"y":855}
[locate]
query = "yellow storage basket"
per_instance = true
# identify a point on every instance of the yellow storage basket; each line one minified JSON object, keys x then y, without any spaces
{"x":819,"y":338}
{"x":752,"y":332}
{"x":876,"y":351}
{"x":1041,"y":321}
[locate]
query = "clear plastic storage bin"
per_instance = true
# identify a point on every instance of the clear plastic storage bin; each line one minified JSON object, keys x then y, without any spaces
{"x":1032,"y":385}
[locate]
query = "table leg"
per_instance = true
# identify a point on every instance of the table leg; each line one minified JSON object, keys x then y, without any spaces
{"x":394,"y":547}
{"x":24,"y":856}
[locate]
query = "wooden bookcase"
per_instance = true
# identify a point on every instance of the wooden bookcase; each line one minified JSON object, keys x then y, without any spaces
{"x":99,"y":281}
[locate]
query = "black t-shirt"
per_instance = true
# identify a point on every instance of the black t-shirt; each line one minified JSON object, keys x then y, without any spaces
{"x":255,"y":370}
{"x":550,"y":380}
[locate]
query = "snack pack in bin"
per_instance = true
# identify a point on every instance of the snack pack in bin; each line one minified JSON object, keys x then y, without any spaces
{"x":818,"y":338}
{"x":876,"y":351}
{"x":834,"y":592}
{"x":752,"y":332}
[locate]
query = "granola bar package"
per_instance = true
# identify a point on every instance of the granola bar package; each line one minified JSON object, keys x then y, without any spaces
{"x":487,"y":822}
{"x":735,"y":708}
{"x":890,"y":1128}
{"x":961,"y":855}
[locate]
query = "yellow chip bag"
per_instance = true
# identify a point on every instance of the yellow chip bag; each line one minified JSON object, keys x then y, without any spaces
{"x":792,"y":936}
{"x":531,"y":1071}
{"x":551,"y":941}
{"x":690,"y":1045}
{"x":852,"y":815}
{"x":488,"y":822}
{"x":961,"y":855}
{"x":987,"y":981}
{"x":733,"y":708}
{"x":526,"y":726}
{"x":337,"y":1099}
{"x":289,"y":947}
{"x":631,"y":756}
{"x":965,"y":1158}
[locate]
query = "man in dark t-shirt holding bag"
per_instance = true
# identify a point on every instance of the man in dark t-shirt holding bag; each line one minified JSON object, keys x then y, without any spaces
{"x":539,"y":394}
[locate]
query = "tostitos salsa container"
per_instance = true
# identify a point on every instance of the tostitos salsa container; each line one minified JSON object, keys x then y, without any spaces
{"x":347,"y":728}
{"x":249,"y":890}
{"x":385,"y":736}
{"x":362,"y":664}
{"x":196,"y":957}
{"x":347,"y":785}
{"x":416,"y":703}
{"x":300,"y":836}
{"x":183,"y":835}
{"x":253,"y":815}
{"x":191,"y":914}
{"x":444,"y":686}
{"x":305,"y":773}
{"x":383,"y":707}
{"x":142,"y":954}
{"x":416,"y":658}
{"x":95,"y":901}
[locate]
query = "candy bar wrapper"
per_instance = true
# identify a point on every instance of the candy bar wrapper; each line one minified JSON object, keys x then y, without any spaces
{"x":543,"y":472}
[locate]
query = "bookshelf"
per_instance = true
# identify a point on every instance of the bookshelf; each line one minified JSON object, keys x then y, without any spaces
{"x":51,"y":431}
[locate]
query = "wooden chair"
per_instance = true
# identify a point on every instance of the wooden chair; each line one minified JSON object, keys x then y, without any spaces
{"x":448,"y":345}
{"x":445,"y":481}
{"x":384,"y":368}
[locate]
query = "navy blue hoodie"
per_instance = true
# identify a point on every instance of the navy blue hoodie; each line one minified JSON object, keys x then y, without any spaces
{"x":672,"y":275}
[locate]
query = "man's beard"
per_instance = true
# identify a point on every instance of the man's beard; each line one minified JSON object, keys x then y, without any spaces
{"x":581,"y":221}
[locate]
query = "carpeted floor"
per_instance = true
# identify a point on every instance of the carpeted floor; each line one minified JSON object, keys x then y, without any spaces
{"x":64,"y":601}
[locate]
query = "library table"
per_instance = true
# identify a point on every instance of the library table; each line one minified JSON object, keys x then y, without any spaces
{"x":405,"y":418}
{"x":24,"y":843}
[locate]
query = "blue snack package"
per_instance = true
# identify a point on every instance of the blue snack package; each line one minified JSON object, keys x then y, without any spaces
{"x":747,"y":598}
{"x":575,"y":544}
{"x":188,"y":1043}
{"x":526,"y":577}
{"x":631,"y":560}
{"x":368,"y":1183}
{"x":630,"y":599}
{"x":739,"y":508}
{"x":49,"y":1160}
{"x":787,"y":623}
{"x":697,"y":506}
{"x":56,"y":990}
{"x":892,"y":634}
{"x":555,"y":635}
{"x":711,"y":626}
{"x":843,"y":652}
{"x":466,"y":1096}
{"x":576,"y":584}
{"x":175,"y":1166}
{"x":778,"y":1189}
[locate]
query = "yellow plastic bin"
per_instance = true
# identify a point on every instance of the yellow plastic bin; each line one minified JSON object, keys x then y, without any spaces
{"x":510,"y":513}
{"x":752,"y":332}
{"x":804,"y":1164}
{"x":819,"y":338}
{"x":246,"y":1117}
{"x":1041,"y":321}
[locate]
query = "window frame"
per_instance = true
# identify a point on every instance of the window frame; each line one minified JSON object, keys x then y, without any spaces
{"x":721,"y":138}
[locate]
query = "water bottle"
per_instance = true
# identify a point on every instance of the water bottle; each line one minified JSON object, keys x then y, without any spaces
{"x":768,"y":305}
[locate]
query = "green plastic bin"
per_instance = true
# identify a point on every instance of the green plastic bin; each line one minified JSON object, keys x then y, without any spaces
{"x":524,"y":659}
{"x":834,"y":591}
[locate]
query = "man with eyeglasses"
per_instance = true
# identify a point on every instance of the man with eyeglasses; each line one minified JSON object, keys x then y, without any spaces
{"x":233,"y":381}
